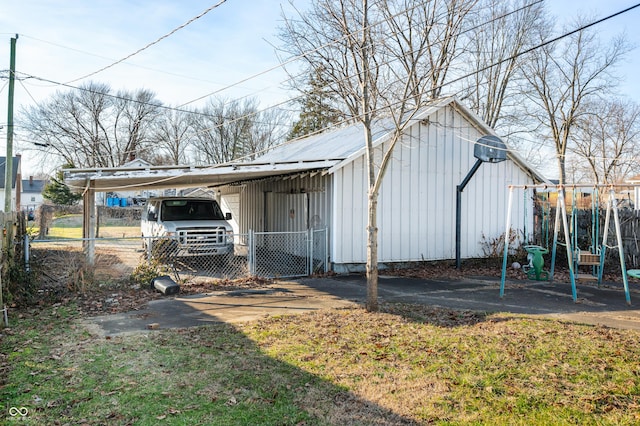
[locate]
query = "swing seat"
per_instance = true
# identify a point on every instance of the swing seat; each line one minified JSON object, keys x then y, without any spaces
{"x":589,"y":259}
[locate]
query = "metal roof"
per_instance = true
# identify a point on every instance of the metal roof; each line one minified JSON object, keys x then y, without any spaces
{"x":124,"y":179}
{"x":327,"y":151}
{"x":337,"y":144}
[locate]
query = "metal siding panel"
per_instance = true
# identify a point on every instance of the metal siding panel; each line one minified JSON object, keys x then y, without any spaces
{"x":423,"y":201}
{"x":451,"y":169}
{"x":359,"y":212}
{"x":433,"y":231}
{"x":337,"y":217}
{"x":351,"y":190}
{"x":388,"y":197}
{"x":410,"y":188}
{"x":347,"y":213}
{"x":412,"y":226}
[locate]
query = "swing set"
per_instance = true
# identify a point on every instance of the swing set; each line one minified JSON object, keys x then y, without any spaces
{"x":591,"y":257}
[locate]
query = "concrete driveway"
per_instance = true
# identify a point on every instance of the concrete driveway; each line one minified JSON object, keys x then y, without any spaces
{"x":604,"y":306}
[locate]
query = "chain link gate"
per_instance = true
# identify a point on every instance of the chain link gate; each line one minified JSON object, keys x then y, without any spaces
{"x":288,"y":254}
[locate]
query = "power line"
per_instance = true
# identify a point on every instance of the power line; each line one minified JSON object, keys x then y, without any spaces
{"x":170,"y":33}
{"x":521,"y":53}
{"x":178,"y":108}
{"x":111,"y":59}
{"x":281,"y":65}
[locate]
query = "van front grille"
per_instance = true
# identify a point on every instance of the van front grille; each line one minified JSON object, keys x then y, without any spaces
{"x":196,"y":238}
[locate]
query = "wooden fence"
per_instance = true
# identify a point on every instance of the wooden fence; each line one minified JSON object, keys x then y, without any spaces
{"x":583,"y":223}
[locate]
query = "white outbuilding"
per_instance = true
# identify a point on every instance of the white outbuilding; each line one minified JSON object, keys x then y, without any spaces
{"x":417,"y":200}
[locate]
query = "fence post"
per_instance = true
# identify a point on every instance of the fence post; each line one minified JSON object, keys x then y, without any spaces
{"x":326,"y":250}
{"x":251,"y":254}
{"x":148,"y":245}
{"x":310,"y":251}
{"x":27,"y":254}
{"x":3,"y":308}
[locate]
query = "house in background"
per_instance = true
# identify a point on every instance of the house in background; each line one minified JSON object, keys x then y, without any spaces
{"x":123,"y":197}
{"x":16,"y":183}
{"x":31,"y":197}
{"x":635,"y":181}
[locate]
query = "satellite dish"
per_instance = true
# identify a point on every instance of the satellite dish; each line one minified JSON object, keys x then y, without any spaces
{"x":491,"y":149}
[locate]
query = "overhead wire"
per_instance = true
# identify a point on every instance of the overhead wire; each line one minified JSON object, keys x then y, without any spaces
{"x":170,"y":33}
{"x":351,"y":119}
{"x":179,"y":108}
{"x":527,"y":51}
{"x":156,"y":70}
{"x":335,"y":42}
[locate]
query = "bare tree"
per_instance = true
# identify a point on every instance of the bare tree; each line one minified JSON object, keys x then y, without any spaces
{"x":231,"y":130}
{"x":384,"y":57}
{"x":562,"y":77}
{"x":268,"y":129}
{"x":90,"y":127}
{"x":171,"y":137}
{"x":607,"y":141}
{"x":135,"y":117}
{"x":500,"y":32}
{"x":221,"y":130}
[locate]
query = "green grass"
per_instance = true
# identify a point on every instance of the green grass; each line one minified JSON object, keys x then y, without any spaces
{"x":70,"y":226}
{"x":407,"y":365}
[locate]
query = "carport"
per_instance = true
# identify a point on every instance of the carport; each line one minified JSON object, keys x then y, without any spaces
{"x":90,"y":181}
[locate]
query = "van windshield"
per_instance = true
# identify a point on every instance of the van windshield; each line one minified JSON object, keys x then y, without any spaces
{"x":191,"y":210}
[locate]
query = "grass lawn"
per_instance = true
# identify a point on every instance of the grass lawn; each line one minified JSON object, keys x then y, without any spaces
{"x":408,"y":364}
{"x":70,"y":226}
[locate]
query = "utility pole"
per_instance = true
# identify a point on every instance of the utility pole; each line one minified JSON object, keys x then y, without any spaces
{"x":8,"y":167}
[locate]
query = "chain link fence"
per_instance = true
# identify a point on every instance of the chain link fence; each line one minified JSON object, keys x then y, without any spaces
{"x":288,"y":254}
{"x":77,"y":262}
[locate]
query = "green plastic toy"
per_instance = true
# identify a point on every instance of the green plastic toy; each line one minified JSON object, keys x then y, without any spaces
{"x":536,"y":263}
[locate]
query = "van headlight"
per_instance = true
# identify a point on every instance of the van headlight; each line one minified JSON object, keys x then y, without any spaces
{"x":229,"y":236}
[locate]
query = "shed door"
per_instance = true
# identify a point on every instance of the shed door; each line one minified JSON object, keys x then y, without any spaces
{"x":286,"y":212}
{"x":231,"y":203}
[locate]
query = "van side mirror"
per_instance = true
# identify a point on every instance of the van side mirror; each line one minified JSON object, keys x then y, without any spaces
{"x":153,"y":216}
{"x":227,"y":216}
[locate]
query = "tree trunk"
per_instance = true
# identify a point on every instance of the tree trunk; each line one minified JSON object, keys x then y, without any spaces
{"x":562,"y":169}
{"x":372,"y":252}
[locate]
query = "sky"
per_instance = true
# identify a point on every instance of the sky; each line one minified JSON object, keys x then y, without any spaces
{"x":228,"y":52}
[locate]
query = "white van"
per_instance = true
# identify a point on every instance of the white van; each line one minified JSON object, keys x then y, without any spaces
{"x":196,"y":226}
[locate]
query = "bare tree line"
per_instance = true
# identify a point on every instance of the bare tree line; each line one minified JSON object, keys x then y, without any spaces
{"x":96,"y":127}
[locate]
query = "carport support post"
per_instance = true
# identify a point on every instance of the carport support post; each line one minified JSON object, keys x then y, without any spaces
{"x":89,"y":224}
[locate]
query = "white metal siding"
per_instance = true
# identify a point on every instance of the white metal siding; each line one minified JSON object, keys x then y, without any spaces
{"x":308,"y":196}
{"x":416,"y":205}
